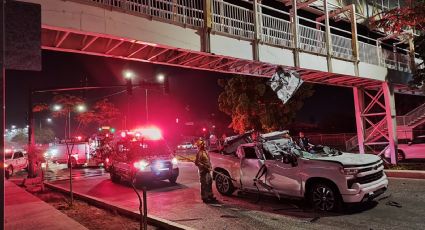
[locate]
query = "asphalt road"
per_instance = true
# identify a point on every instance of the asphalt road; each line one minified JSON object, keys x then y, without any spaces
{"x":401,"y":207}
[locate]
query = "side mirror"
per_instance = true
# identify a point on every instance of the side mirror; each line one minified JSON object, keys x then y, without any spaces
{"x":409,"y":143}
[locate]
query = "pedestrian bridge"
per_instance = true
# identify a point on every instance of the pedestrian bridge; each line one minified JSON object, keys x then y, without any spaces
{"x":236,"y":39}
{"x":247,"y":38}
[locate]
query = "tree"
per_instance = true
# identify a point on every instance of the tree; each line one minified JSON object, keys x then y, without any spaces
{"x":409,"y":17}
{"x":20,"y":138}
{"x":252,"y":104}
{"x":103,"y":113}
{"x":44,"y":135}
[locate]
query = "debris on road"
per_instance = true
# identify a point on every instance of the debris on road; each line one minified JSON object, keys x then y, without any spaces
{"x":393,"y":203}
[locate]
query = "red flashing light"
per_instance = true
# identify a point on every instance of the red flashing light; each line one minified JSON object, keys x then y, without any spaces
{"x":123,"y":134}
{"x":107,"y":160}
{"x":149,"y":133}
{"x":204,"y":129}
{"x":79,"y":138}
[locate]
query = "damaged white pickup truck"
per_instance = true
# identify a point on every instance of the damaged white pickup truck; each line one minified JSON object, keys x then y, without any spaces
{"x":277,"y":166}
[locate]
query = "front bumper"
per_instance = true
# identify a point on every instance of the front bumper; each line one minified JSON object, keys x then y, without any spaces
{"x":365,"y":192}
{"x":151,"y":175}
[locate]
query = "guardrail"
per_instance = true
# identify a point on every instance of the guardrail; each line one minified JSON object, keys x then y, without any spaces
{"x":274,"y":28}
{"x":232,"y":19}
{"x":189,"y":12}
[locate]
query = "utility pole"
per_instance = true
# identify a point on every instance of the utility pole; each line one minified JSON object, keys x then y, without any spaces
{"x":2,"y":109}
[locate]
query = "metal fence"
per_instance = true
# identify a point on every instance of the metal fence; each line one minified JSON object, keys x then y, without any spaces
{"x":368,"y":53}
{"x":232,"y":19}
{"x":274,"y":29}
{"x":188,"y":12}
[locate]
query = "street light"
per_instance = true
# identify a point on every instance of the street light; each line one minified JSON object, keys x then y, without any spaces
{"x":13,"y":126}
{"x":128,"y":74}
{"x":81,"y":108}
{"x":49,"y":120}
{"x":160,"y":78}
{"x":57,"y":107}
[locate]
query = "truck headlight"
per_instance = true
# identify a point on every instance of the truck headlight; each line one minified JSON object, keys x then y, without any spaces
{"x":141,"y":164}
{"x":350,"y":172}
{"x":174,"y":161}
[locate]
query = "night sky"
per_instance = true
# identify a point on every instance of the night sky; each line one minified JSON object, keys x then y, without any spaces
{"x":193,"y":94}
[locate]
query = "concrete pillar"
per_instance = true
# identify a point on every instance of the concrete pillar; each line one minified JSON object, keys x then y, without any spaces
{"x":391,"y":119}
{"x":359,"y":106}
{"x":257,"y":28}
{"x":354,"y":39}
{"x":328,"y":38}
{"x":412,"y":55}
{"x":206,"y":43}
{"x":294,"y":23}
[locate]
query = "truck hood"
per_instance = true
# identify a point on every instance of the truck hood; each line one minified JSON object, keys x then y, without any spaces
{"x":349,"y":159}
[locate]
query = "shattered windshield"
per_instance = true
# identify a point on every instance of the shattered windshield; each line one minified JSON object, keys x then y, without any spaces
{"x":274,"y":149}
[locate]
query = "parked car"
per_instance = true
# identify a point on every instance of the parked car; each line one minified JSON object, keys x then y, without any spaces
{"x":186,"y":145}
{"x":277,"y":166}
{"x":414,"y":149}
{"x":15,"y":162}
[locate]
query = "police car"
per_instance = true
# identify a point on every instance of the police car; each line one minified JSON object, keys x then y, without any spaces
{"x":142,"y":156}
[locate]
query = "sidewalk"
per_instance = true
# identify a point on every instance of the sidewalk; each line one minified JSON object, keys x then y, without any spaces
{"x":411,"y":174}
{"x":24,"y":211}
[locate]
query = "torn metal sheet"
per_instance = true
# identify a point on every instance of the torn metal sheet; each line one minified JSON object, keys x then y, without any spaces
{"x":285,"y":84}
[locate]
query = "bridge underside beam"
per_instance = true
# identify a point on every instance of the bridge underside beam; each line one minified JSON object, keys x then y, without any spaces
{"x":109,"y":46}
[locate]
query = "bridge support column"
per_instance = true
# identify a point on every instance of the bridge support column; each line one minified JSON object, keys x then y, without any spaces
{"x":391,"y":120}
{"x":354,"y":39}
{"x":294,"y":23}
{"x":206,"y":41}
{"x":412,"y":55}
{"x":257,"y":29}
{"x":328,"y":38}
{"x":359,"y":107}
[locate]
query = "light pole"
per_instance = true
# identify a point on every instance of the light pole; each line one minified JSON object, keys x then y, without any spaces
{"x":128,"y":76}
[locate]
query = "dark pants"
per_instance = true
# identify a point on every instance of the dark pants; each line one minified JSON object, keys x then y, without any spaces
{"x":206,"y":184}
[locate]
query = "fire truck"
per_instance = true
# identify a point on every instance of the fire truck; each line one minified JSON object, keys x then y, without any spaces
{"x":142,"y":155}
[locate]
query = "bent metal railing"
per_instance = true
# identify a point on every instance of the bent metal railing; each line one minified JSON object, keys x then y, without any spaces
{"x":274,"y":27}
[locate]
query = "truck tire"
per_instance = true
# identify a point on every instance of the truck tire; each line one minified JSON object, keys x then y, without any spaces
{"x":72,"y":163}
{"x":173,"y":179}
{"x":325,"y":197}
{"x":224,"y":184}
{"x":114,"y":177}
{"x":400,"y":155}
{"x":9,"y":172}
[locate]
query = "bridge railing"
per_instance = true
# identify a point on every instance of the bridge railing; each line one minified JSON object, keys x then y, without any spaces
{"x":232,"y":19}
{"x":274,"y":28}
{"x":190,"y":12}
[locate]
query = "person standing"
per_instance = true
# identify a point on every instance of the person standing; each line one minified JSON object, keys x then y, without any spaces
{"x":204,"y":168}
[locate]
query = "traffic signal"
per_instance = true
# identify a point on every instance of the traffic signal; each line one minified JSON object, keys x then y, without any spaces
{"x":112,"y":130}
{"x":129,"y":86}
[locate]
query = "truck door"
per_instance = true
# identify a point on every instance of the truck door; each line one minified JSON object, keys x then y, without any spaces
{"x":250,"y":164}
{"x":19,"y":160}
{"x":284,"y":177}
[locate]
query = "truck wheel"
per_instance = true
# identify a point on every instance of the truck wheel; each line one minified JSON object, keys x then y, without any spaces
{"x":325,"y":197}
{"x":114,"y":177}
{"x":72,"y":163}
{"x":224,"y":184}
{"x":400,"y":155}
{"x":173,"y":179}
{"x":9,"y":172}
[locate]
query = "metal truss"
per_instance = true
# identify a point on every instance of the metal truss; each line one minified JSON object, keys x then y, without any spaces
{"x":376,"y":121}
{"x":65,"y":40}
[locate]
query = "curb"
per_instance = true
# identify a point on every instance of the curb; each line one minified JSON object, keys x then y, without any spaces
{"x":411,"y":174}
{"x":152,"y":220}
